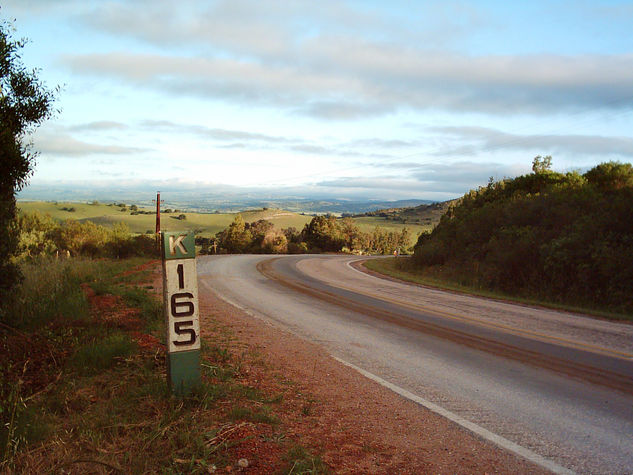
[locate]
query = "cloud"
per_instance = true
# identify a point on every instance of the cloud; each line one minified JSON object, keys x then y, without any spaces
{"x":474,"y":140}
{"x":449,"y":180}
{"x":62,"y":144}
{"x":363,"y":183}
{"x":98,"y":126}
{"x":390,"y":188}
{"x":363,"y":80}
{"x":212,"y":133}
{"x":239,"y":139}
{"x":343,"y":109}
{"x":331,"y":61}
{"x":335,"y":61}
{"x":274,"y":29}
{"x":427,"y":181}
{"x":464,"y":175}
{"x":40,"y":6}
{"x":212,"y":78}
{"x":383,"y":143}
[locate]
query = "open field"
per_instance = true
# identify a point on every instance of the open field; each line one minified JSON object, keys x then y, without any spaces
{"x":369,"y":223}
{"x":203,"y":224}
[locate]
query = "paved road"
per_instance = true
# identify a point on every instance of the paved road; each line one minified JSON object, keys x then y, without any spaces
{"x":556,"y":384}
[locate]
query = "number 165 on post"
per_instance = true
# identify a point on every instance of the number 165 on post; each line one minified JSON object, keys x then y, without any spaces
{"x":182,"y":305}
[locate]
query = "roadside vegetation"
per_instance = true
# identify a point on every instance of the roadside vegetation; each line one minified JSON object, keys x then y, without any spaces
{"x":39,"y":235}
{"x":565,"y":239}
{"x":206,"y":226}
{"x":321,"y":234}
{"x":83,"y":383}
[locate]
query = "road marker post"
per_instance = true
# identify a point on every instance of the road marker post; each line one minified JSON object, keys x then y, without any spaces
{"x":180,"y":297}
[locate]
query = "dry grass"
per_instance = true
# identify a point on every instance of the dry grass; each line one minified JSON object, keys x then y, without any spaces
{"x":88,"y":393}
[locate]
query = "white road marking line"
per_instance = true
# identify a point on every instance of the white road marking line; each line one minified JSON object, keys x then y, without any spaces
{"x":471,"y":426}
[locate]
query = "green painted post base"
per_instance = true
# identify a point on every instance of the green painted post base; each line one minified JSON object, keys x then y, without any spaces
{"x":183,"y":372}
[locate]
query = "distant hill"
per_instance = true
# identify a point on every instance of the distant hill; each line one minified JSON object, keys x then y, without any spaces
{"x":209,"y":202}
{"x":141,"y":219}
{"x":424,"y":214}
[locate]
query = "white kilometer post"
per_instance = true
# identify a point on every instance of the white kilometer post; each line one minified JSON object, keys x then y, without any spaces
{"x":180,"y":292}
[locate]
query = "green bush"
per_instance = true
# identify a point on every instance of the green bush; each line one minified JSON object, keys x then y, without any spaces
{"x":566,"y":238}
{"x":39,"y":235}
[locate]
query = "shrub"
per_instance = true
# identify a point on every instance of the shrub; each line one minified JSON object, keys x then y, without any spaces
{"x":560,"y":237}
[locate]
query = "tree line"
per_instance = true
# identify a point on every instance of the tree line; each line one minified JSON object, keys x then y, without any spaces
{"x":321,"y":234}
{"x":40,"y":235}
{"x":561,"y":237}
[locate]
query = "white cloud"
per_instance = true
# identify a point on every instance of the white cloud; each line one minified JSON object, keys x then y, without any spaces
{"x":212,"y":133}
{"x":62,"y":144}
{"x":430,"y":179}
{"x":98,"y":126}
{"x":361,"y":80}
{"x":474,"y":140}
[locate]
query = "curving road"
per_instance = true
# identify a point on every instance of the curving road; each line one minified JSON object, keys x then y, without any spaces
{"x":554,"y":387}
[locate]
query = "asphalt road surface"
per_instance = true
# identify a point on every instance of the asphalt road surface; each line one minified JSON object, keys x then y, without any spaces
{"x":557,"y":386}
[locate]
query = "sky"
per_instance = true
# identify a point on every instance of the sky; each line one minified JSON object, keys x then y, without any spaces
{"x":348,"y":99}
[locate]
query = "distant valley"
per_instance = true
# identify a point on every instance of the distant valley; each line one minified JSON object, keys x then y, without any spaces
{"x":223,"y":201}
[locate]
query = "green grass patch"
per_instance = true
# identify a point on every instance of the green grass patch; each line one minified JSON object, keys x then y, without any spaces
{"x":402,"y":269}
{"x":262,"y":415}
{"x":51,"y":289}
{"x":134,"y":296}
{"x":301,"y":461}
{"x":102,"y":354}
{"x":22,"y":424}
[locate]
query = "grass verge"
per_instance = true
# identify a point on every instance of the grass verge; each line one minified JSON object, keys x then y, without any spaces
{"x":401,"y":269}
{"x":83,"y":386}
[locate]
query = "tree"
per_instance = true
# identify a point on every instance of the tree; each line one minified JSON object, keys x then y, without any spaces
{"x":611,"y":176}
{"x":323,"y":233}
{"x":258,"y":231}
{"x":236,"y":238}
{"x":542,"y":165}
{"x":351,"y":233}
{"x":24,"y":104}
{"x":34,"y":231}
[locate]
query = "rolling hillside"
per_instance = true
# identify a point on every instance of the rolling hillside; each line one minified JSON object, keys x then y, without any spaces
{"x":203,"y":224}
{"x":418,"y":219}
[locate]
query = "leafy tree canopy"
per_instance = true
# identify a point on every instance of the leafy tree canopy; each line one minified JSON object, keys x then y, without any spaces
{"x":24,"y":104}
{"x":546,"y":235}
{"x":542,"y":164}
